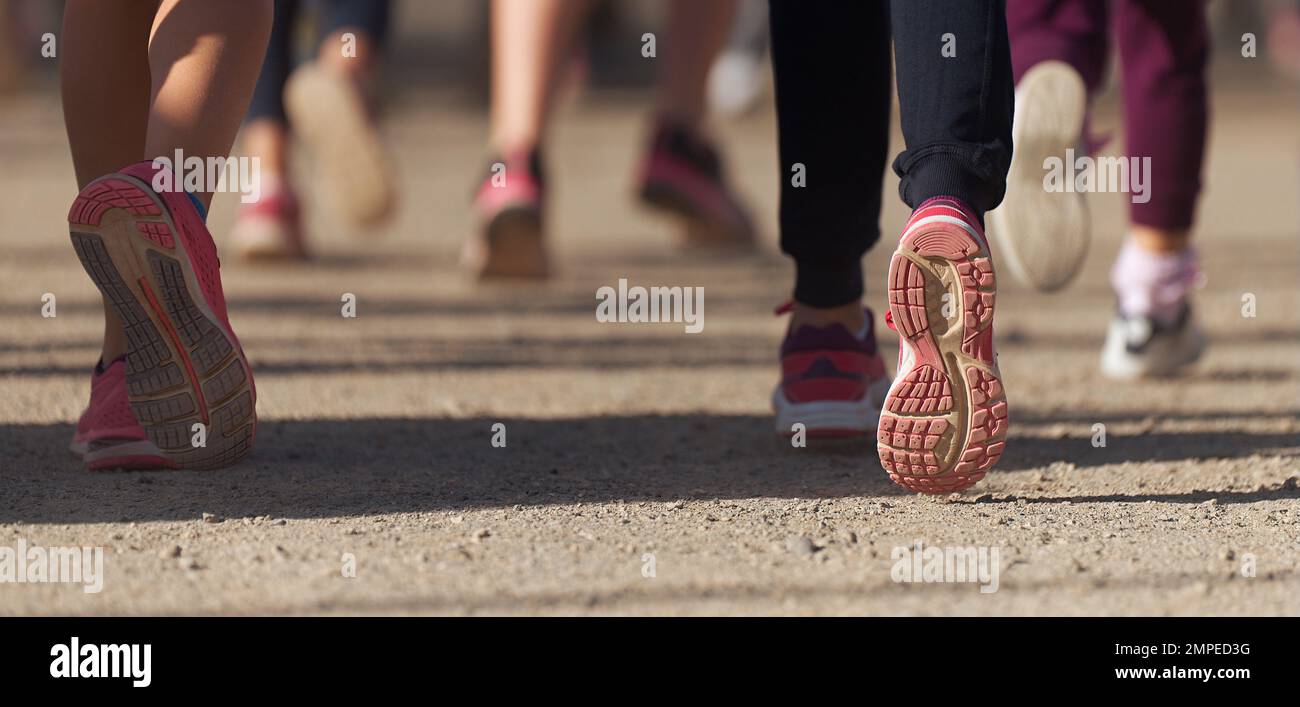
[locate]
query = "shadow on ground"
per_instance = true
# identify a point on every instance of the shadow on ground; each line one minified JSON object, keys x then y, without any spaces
{"x":326,"y":468}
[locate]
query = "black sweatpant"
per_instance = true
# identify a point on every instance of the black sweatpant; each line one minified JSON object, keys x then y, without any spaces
{"x":367,"y":16}
{"x":832,"y":68}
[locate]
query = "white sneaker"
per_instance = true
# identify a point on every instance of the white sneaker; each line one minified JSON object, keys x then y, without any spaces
{"x":736,"y":83}
{"x":1139,"y":347}
{"x":1042,"y":236}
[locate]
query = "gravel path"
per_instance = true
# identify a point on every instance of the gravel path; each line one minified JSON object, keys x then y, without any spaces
{"x":640,"y":474}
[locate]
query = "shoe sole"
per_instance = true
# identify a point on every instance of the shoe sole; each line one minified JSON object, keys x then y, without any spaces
{"x":827,"y":418}
{"x":510,"y":247}
{"x":1043,"y":236}
{"x":944,"y":422}
{"x":182,"y":367}
{"x":332,"y":121}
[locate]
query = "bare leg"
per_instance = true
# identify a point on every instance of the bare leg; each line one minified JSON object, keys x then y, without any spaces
{"x":359,"y":67}
{"x":696,"y":32}
{"x":1160,"y":240}
{"x":530,"y":39}
{"x":265,"y":135}
{"x":708,"y":209}
{"x":204,"y":58}
{"x":105,"y":86}
{"x":268,"y":140}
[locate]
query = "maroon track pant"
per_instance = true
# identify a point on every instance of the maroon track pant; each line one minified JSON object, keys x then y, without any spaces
{"x":1163,"y":52}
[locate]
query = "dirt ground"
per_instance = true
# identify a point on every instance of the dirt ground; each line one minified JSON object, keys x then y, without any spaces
{"x":641,"y":475}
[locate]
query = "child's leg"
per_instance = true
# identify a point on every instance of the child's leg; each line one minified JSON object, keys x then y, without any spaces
{"x":831,"y":68}
{"x":696,"y":32}
{"x":1058,"y":51}
{"x":147,"y":249}
{"x":682,"y":174}
{"x":204,"y":59}
{"x":831,"y":64}
{"x":1072,"y":31}
{"x":105,"y":86}
{"x":266,"y":130}
{"x":530,"y":44}
{"x":1164,"y":48}
{"x":367,"y":22}
{"x":1164,"y":51}
{"x":944,"y":422}
{"x":955,"y":111}
{"x":530,"y":40}
{"x":271,"y":226}
{"x":330,"y":107}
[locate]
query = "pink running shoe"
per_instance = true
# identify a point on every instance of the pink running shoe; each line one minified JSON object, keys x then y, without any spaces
{"x":683,"y":176}
{"x":509,"y":240}
{"x":108,"y":437}
{"x":153,"y":259}
{"x":944,"y":422}
{"x":833,"y":380}
{"x":271,"y":227}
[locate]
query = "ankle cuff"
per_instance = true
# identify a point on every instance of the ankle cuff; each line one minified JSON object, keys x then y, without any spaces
{"x":828,"y":284}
